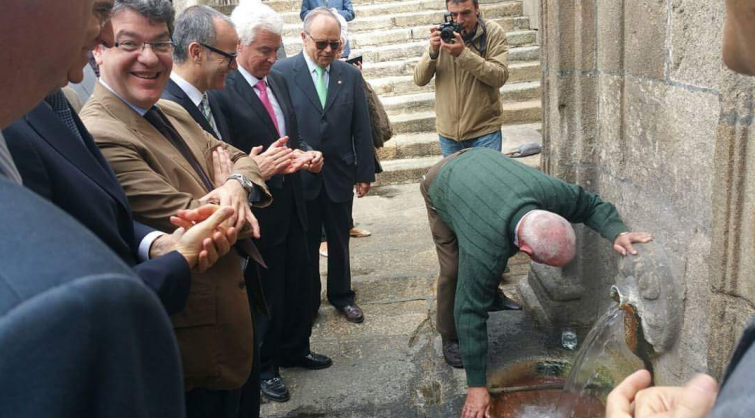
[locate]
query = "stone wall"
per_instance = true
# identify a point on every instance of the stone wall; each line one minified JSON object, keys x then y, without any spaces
{"x":638,"y":107}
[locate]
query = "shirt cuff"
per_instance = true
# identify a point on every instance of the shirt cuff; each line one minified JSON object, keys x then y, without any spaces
{"x":146,"y":244}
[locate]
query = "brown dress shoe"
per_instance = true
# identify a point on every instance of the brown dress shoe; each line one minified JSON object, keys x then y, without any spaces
{"x":353,"y":313}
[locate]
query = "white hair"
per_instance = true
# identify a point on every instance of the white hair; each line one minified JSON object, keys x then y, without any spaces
{"x":250,"y":16}
{"x":550,"y":236}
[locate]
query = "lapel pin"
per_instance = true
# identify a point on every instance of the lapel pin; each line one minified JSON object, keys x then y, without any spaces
{"x":340,"y":82}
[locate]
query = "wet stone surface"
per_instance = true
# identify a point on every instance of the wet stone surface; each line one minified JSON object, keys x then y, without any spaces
{"x":392,"y":365}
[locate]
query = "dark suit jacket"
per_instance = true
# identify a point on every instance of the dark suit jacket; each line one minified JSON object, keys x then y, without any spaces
{"x":250,"y":125}
{"x":341,"y":131}
{"x":80,"y":335}
{"x":174,"y":93}
{"x":76,"y":178}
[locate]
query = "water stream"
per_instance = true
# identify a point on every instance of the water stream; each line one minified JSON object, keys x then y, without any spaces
{"x":588,"y":379}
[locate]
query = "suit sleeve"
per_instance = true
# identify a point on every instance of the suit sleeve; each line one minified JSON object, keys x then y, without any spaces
{"x":169,"y":277}
{"x":304,"y":9}
{"x":347,"y":11}
{"x":363,"y":146}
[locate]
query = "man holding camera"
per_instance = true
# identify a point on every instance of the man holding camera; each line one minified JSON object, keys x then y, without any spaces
{"x":468,"y":56}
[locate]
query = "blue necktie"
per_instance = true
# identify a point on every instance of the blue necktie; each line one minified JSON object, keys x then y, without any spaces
{"x":59,"y":105}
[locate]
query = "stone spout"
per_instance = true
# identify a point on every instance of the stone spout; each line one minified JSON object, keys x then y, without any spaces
{"x":647,"y":291}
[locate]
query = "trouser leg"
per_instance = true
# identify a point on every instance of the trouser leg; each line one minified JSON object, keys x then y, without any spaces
{"x":314,"y":235}
{"x":274,"y":287}
{"x":336,"y":217}
{"x":297,"y":318}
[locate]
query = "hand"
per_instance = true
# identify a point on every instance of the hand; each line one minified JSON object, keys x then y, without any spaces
{"x":623,"y":243}
{"x":313,"y":160}
{"x":633,"y":399}
{"x":234,"y":195}
{"x":435,"y":39}
{"x":477,"y":404}
{"x":222,"y":166}
{"x":275,"y":160}
{"x":455,"y":48}
{"x":223,"y":238}
{"x":203,"y":243}
{"x":362,"y":189}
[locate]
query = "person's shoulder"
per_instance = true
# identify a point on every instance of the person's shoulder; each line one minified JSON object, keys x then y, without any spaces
{"x":493,"y":29}
{"x":349,"y":69}
{"x":286,"y":64}
{"x":175,"y":111}
{"x":100,"y":122}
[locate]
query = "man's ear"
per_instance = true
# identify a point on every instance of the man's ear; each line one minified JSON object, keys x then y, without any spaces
{"x":525,"y":249}
{"x":97,"y":52}
{"x":194,"y":52}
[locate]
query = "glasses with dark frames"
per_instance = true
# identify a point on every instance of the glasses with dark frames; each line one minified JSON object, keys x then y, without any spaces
{"x":324,"y":44}
{"x":231,"y":56}
{"x":163,"y":47}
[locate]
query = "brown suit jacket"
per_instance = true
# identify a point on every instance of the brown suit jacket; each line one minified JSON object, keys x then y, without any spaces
{"x":214,"y":331}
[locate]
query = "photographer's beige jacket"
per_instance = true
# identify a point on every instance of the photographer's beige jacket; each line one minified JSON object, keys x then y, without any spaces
{"x":467,"y":87}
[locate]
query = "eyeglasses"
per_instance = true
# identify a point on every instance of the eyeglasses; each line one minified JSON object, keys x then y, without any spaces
{"x":231,"y":56}
{"x":163,"y":47}
{"x":324,"y":44}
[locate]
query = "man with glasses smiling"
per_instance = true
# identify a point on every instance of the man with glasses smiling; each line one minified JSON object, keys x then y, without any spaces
{"x":163,"y":160}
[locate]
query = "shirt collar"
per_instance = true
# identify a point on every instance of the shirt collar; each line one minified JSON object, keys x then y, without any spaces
{"x":194,"y":94}
{"x":311,"y":64}
{"x":252,"y":80}
{"x":137,"y":109}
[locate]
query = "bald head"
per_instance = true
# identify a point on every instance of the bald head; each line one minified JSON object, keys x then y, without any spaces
{"x":547,"y":238}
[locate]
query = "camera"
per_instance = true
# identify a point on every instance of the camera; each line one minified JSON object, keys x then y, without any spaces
{"x":448,"y":27}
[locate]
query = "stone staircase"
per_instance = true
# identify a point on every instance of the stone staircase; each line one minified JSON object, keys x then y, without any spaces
{"x":391,"y":36}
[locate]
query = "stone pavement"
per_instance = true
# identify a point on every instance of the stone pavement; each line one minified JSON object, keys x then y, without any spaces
{"x":391,"y":365}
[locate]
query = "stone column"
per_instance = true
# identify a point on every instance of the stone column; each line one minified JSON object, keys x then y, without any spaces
{"x":638,"y":108}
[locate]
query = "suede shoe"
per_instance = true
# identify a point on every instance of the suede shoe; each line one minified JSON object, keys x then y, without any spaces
{"x":275,"y":389}
{"x":353,"y":313}
{"x":311,"y":361}
{"x":504,"y":303}
{"x":452,"y":354}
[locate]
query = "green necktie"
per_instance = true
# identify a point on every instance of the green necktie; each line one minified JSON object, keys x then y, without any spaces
{"x":322,"y":89}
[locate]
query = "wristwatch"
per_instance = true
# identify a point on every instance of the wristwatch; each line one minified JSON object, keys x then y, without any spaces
{"x":245,"y":182}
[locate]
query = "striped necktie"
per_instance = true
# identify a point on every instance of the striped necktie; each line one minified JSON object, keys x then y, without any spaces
{"x":204,"y":107}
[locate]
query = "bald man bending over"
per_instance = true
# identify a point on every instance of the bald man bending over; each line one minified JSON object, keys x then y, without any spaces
{"x":483,"y":208}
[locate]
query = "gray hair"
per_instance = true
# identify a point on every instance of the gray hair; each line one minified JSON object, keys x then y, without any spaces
{"x":550,"y":236}
{"x":319,"y":11}
{"x":250,"y":17}
{"x":195,"y":24}
{"x":160,"y":11}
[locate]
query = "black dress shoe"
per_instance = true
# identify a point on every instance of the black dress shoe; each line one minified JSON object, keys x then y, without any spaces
{"x":353,"y":313}
{"x":275,"y":389}
{"x":452,"y":354}
{"x":311,"y":361}
{"x":504,"y":303}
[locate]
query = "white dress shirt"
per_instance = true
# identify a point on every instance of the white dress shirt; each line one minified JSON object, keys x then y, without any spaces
{"x":194,"y":95}
{"x":252,"y":80}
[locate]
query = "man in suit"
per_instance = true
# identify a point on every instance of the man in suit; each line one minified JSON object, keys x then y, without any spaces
{"x":58,"y":160}
{"x":80,"y":299}
{"x":331,"y":110}
{"x":483,"y":208}
{"x":343,"y":8}
{"x":258,"y":110}
{"x":162,"y":159}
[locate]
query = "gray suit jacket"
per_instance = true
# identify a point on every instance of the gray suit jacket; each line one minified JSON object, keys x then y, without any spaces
{"x":735,"y":399}
{"x":80,"y":335}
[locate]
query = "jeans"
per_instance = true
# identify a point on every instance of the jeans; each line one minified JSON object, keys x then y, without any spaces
{"x":492,"y":141}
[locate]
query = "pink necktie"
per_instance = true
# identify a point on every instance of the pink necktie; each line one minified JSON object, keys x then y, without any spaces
{"x":262,"y":87}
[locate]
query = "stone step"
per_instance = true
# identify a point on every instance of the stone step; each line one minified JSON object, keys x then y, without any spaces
{"x":379,"y":9}
{"x":421,"y":151}
{"x":509,"y":24}
{"x":399,"y":85}
{"x":392,"y":20}
{"x":513,"y":113}
{"x":518,"y":71}
{"x":413,"y":49}
{"x":426,"y":144}
{"x":424,"y":102}
{"x":283,"y":6}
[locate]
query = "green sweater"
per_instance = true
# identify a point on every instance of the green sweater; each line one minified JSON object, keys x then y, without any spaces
{"x":481,"y":195}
